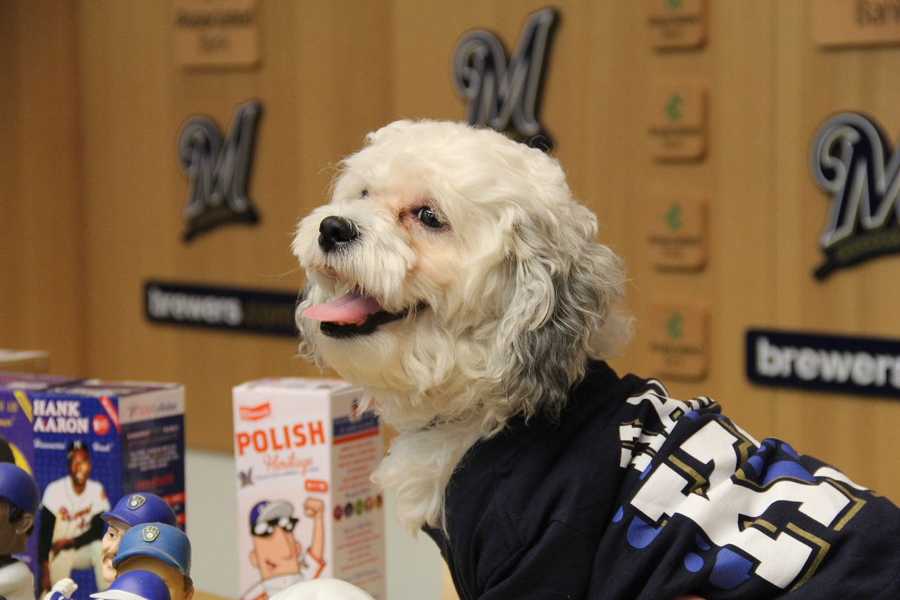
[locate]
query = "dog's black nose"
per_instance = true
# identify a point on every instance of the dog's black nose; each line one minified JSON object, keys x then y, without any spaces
{"x":336,"y":231}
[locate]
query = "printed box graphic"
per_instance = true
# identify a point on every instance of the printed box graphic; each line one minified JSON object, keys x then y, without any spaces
{"x":89,"y":442}
{"x":16,"y":431}
{"x":305,"y":451}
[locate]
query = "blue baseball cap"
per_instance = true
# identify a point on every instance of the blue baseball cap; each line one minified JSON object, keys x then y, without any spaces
{"x":136,"y":585}
{"x":18,"y":488}
{"x":156,"y":540}
{"x":135,"y":509}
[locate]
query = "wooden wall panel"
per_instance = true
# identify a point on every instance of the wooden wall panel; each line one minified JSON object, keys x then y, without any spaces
{"x":110,"y":216}
{"x":322,"y":83}
{"x":596,"y":105}
{"x":769,"y":89}
{"x":41,"y":289}
{"x":856,"y":434}
{"x":93,"y":194}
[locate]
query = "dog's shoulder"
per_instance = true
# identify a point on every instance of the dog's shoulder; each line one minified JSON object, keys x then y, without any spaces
{"x":537,"y":474}
{"x":632,"y":493}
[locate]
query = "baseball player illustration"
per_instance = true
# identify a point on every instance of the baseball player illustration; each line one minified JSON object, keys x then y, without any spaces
{"x":277,"y":555}
{"x":18,"y":505}
{"x":131,"y":510}
{"x":71,"y":523}
{"x":136,"y":585}
{"x":161,"y":549}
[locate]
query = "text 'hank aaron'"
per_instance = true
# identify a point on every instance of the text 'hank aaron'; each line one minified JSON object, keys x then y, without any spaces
{"x":59,"y":416}
{"x":286,"y":437}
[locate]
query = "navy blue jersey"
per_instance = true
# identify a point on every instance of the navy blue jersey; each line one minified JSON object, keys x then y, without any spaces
{"x":632,"y":494}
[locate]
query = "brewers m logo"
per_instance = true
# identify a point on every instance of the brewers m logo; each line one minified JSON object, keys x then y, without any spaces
{"x":854,"y":164}
{"x":219,"y":170}
{"x":506,"y":94}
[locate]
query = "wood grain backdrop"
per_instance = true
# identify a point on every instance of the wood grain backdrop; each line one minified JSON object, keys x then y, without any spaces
{"x":93,"y":193}
{"x":42,"y":292}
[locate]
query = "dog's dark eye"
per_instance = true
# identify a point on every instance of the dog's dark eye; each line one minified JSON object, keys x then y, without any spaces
{"x":428,"y":218}
{"x":364,"y":194}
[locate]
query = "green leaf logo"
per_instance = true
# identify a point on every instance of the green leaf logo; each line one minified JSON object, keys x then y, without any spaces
{"x":674,"y":4}
{"x":675,"y":326}
{"x":674,"y":108}
{"x":673,"y":217}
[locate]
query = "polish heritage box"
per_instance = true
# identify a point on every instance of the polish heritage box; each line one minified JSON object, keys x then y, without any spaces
{"x":307,"y":508}
{"x":89,"y":442}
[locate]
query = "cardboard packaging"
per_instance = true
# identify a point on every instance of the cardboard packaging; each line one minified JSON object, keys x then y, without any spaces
{"x":88,"y":442}
{"x":306,"y":506}
{"x":16,"y":431}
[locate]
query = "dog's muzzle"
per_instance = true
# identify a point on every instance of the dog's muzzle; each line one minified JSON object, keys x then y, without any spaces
{"x":353,"y":314}
{"x":336,"y":232}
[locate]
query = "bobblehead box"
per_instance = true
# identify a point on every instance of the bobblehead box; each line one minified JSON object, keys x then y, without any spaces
{"x":16,"y":431}
{"x":87,"y":443}
{"x":305,"y":450}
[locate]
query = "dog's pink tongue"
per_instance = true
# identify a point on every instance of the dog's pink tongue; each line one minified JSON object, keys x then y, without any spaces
{"x":350,"y":308}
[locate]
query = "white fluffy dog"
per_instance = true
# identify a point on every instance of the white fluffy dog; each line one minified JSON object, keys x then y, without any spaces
{"x":476,"y":285}
{"x":454,"y":276}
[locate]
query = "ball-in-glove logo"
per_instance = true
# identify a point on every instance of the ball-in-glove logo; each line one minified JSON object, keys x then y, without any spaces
{"x":136,"y":501}
{"x":150,"y":533}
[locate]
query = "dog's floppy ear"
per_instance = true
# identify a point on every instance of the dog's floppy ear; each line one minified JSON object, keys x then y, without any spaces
{"x":560,"y":310}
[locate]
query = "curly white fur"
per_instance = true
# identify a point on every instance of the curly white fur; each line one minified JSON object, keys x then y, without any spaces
{"x":506,"y":303}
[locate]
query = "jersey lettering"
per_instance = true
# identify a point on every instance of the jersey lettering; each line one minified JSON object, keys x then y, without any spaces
{"x":723,"y":504}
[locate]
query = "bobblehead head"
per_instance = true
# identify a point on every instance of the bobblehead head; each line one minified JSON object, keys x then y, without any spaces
{"x":15,"y":526}
{"x":131,"y":510}
{"x":115,"y":529}
{"x":180,"y":586}
{"x":162,"y":549}
{"x":136,"y":585}
{"x":18,"y":505}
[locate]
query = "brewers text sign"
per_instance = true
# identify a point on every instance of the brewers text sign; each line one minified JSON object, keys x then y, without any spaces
{"x":829,"y":363}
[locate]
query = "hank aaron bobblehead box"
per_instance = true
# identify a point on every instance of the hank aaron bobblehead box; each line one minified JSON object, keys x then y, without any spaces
{"x":306,"y":506}
{"x":89,"y":442}
{"x":16,"y":435}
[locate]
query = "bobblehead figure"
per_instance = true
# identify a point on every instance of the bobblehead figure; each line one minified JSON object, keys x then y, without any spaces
{"x":163,"y":550}
{"x":130,"y":511}
{"x":18,"y":504}
{"x":136,"y":585}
